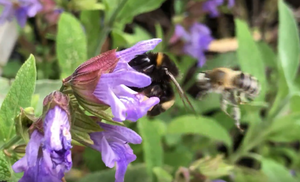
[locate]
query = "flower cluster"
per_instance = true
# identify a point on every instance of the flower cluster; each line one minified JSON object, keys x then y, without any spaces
{"x":105,"y":79}
{"x":113,"y":90}
{"x":197,"y":40}
{"x":114,"y":148}
{"x":21,"y":9}
{"x":48,"y":155}
{"x":211,"y":6}
{"x":99,"y":83}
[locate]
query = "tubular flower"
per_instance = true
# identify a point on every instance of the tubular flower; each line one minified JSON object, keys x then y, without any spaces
{"x":21,"y":9}
{"x":113,"y":90}
{"x":114,"y":148}
{"x":196,"y":40}
{"x":48,"y":156}
{"x":211,"y":6}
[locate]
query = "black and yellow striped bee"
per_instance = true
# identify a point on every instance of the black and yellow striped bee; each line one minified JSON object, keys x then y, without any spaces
{"x":234,"y":87}
{"x":162,"y":71}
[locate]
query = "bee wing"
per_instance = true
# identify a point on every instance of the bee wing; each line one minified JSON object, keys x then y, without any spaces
{"x":180,"y":91}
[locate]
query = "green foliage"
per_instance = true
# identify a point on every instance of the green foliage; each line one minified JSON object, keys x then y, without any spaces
{"x":90,"y":20}
{"x":42,"y":89}
{"x":276,"y":172}
{"x":136,"y":7}
{"x":162,"y":175}
{"x":190,"y":124}
{"x":150,"y":131}
{"x":19,"y":95}
{"x":134,"y":173}
{"x":206,"y":145}
{"x":5,"y":173}
{"x":288,"y":43}
{"x":249,"y":55}
{"x":5,"y":85}
{"x":71,"y":45}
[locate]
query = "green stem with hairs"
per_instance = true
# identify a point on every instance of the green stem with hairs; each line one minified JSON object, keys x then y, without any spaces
{"x":11,"y":142}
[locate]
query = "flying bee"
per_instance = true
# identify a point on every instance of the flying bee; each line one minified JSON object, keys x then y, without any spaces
{"x":162,"y":71}
{"x":234,"y":87}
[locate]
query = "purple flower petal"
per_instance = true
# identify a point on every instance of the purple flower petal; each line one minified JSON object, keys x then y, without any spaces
{"x":231,"y":3}
{"x":21,"y":16}
{"x":7,"y":13}
{"x":122,"y":133}
{"x":21,"y":10}
{"x":125,"y":104}
{"x":34,"y":8}
{"x":57,"y":126}
{"x":57,"y":138}
{"x":198,"y":43}
{"x":211,"y":6}
{"x":129,"y":78}
{"x":114,"y":148}
{"x":138,"y":108}
{"x":180,"y":32}
{"x":139,"y":48}
{"x":34,"y":164}
{"x":32,"y":149}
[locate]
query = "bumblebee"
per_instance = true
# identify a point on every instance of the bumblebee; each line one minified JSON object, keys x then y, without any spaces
{"x":235,"y":88}
{"x":162,"y":71}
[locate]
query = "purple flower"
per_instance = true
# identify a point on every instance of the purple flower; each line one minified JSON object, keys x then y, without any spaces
{"x":211,"y":6}
{"x":114,"y":148}
{"x":196,"y":40}
{"x":47,"y":157}
{"x":21,"y":9}
{"x":218,"y":180}
{"x":112,"y":88}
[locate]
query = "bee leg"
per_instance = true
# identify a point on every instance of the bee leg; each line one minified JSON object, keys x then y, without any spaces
{"x":236,"y":115}
{"x":236,"y":112}
{"x":224,"y":103}
{"x":239,"y":97}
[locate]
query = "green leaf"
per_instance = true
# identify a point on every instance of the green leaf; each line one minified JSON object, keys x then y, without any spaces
{"x":212,"y":167}
{"x":250,"y":59}
{"x":228,"y":60}
{"x":92,"y":159}
{"x":71,"y":46}
{"x":5,"y":173}
{"x":42,"y":89}
{"x":278,"y":129}
{"x":85,"y":5}
{"x":268,"y":54}
{"x":190,"y":124}
{"x":5,"y":85}
{"x":122,"y":39}
{"x":90,"y":20}
{"x":182,"y":154}
{"x":159,"y":34}
{"x":245,"y":174}
{"x":19,"y":95}
{"x":288,"y":43}
{"x":135,"y":173}
{"x":136,"y":7}
{"x":151,"y":134}
{"x":162,"y":175}
{"x":276,"y":172}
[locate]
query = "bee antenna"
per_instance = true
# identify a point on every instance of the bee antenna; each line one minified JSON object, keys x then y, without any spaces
{"x":179,"y":89}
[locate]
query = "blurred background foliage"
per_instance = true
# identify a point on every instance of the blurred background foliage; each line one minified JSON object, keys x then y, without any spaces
{"x":260,"y":37}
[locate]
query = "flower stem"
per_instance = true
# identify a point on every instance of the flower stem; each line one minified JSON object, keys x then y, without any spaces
{"x":106,"y":29}
{"x":11,"y":142}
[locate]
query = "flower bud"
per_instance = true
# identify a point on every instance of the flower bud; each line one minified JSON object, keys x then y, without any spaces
{"x":85,"y":79}
{"x":23,"y":121}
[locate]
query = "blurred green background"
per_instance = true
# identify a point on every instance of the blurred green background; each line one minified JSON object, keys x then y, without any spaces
{"x":260,"y":37}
